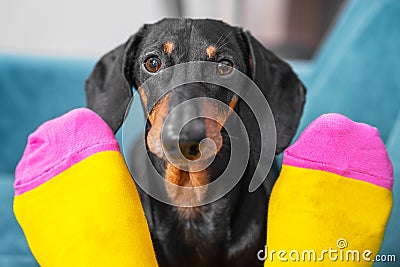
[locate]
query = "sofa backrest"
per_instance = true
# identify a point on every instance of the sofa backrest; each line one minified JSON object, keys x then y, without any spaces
{"x":33,"y":90}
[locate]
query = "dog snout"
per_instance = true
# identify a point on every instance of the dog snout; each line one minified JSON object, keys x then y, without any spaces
{"x":184,"y":130}
{"x":186,"y":141}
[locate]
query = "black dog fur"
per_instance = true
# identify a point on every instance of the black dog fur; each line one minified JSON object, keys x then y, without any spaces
{"x":229,"y":231}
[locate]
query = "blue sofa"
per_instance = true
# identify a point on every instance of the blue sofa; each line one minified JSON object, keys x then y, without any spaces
{"x":356,"y":73}
{"x":32,"y":90}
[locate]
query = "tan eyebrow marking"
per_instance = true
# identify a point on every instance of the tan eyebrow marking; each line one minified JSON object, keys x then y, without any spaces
{"x":168,"y":47}
{"x":211,"y":51}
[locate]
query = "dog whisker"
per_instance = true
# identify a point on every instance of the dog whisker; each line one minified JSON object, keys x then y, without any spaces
{"x":218,"y":47}
{"x":216,"y":43}
{"x":234,"y":137}
{"x":223,"y":45}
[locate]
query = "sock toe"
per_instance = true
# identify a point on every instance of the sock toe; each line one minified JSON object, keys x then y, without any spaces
{"x":333,"y":188}
{"x":60,"y":143}
{"x":336,"y":144}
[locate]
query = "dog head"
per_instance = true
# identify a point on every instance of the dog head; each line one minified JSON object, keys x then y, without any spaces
{"x":169,"y":42}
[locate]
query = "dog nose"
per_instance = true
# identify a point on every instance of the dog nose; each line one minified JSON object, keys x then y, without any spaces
{"x":186,"y":141}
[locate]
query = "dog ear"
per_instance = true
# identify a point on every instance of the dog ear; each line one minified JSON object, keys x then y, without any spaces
{"x":281,"y":87}
{"x":109,"y":86}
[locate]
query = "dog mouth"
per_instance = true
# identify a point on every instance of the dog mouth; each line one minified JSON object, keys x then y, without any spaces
{"x":188,"y":141}
{"x":185,"y":187}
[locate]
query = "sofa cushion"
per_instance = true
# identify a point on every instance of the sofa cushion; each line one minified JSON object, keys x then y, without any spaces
{"x":14,"y":250}
{"x":391,"y":241}
{"x":356,"y":71}
{"x":33,"y":90}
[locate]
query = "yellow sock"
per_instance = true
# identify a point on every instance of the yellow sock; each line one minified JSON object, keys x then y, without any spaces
{"x":75,"y":199}
{"x":333,"y":198}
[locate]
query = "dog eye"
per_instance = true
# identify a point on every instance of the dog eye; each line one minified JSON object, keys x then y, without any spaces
{"x":224,"y":67}
{"x":152,"y":64}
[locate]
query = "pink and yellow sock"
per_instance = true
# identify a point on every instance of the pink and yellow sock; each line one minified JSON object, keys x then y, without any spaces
{"x":333,"y":198}
{"x":75,"y":199}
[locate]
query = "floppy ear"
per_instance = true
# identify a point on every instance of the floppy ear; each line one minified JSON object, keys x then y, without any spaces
{"x":281,"y":87}
{"x":109,"y":86}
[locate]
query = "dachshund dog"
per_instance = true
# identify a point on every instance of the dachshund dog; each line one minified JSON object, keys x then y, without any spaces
{"x":231,"y":230}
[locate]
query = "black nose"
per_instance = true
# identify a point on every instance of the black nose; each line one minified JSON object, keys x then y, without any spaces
{"x":187,"y":141}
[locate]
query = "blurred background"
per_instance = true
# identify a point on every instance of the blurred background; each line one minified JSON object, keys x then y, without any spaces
{"x":89,"y":28}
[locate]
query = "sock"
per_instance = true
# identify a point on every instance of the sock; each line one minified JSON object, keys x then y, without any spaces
{"x":333,"y":197}
{"x":75,"y":199}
